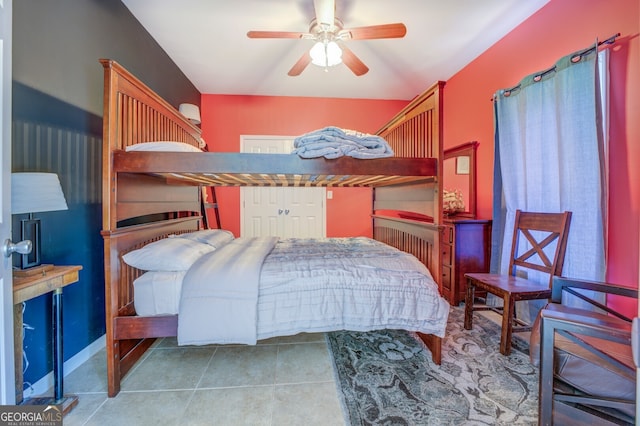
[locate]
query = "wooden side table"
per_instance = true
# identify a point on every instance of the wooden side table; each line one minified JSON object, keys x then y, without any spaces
{"x":466,"y":247}
{"x":47,"y":279}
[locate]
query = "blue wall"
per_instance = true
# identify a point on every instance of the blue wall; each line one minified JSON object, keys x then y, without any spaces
{"x":52,"y":136}
{"x":57,"y":127}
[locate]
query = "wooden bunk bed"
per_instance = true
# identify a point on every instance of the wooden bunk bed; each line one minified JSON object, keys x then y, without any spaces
{"x":150,"y":195}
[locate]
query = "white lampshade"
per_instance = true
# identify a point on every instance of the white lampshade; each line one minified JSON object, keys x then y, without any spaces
{"x":36,"y":192}
{"x":326,"y":54}
{"x":191,"y":111}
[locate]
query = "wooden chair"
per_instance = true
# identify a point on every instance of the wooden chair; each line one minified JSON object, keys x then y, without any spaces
{"x":587,"y":370}
{"x":540,"y":230}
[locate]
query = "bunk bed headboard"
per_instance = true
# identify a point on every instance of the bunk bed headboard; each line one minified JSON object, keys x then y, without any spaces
{"x":140,"y":118}
{"x":133,"y":114}
{"x":415,"y":132}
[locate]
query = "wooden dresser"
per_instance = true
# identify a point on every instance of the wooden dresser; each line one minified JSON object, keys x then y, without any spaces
{"x":466,"y":247}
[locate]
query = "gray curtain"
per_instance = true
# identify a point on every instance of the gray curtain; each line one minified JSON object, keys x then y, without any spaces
{"x":549,"y":157}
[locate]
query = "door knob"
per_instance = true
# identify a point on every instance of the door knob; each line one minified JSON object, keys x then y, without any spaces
{"x":23,"y":247}
{"x":286,"y":211}
{"x":279,"y":211}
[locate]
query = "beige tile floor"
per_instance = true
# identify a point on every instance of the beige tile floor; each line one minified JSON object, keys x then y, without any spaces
{"x":283,"y":381}
{"x":280,"y":382}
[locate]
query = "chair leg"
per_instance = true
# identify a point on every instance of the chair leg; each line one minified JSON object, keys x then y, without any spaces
{"x":468,"y":305}
{"x":507,"y":325}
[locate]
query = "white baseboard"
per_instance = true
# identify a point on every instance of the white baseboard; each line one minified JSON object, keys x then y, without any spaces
{"x":46,"y":383}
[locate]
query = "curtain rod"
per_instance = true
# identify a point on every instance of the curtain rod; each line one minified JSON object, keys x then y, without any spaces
{"x":610,"y":40}
{"x":574,"y":59}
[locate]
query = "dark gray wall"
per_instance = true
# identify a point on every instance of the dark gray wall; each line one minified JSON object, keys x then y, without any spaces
{"x":57,"y":127}
{"x":57,"y":44}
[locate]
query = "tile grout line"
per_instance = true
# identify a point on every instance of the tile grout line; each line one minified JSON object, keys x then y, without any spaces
{"x":194,"y":390}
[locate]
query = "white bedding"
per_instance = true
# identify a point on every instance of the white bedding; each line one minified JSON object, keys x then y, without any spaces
{"x":158,"y":292}
{"x":309,"y":285}
{"x":219,"y":296}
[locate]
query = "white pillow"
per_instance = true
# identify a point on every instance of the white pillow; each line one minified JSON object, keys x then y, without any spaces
{"x":169,"y":254}
{"x":158,"y":292}
{"x":167,"y":146}
{"x":214,"y":237}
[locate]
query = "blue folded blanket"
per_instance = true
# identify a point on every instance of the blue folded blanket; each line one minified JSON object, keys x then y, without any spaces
{"x":333,"y":142}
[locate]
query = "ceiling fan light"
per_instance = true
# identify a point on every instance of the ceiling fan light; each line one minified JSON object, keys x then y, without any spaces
{"x":334,"y":53}
{"x":326,"y":54}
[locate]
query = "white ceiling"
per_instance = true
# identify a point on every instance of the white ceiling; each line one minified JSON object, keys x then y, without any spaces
{"x":207,"y":40}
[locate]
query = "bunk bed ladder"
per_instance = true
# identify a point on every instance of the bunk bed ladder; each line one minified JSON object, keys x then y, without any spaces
{"x":207,"y":205}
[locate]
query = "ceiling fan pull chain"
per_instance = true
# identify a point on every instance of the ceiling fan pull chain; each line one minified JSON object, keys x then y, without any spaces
{"x":326,"y":56}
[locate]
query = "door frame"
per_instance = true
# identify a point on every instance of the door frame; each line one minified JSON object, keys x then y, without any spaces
{"x":7,"y":361}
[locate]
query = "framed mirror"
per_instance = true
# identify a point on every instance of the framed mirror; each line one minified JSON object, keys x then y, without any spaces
{"x":459,"y":181}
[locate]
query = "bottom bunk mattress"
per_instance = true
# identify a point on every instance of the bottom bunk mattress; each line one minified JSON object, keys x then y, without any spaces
{"x":249,"y":289}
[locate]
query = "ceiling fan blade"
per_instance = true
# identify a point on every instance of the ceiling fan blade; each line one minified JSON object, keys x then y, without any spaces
{"x":299,"y":66}
{"x":397,"y":30}
{"x":353,"y":62}
{"x":325,"y":11}
{"x":275,"y":34}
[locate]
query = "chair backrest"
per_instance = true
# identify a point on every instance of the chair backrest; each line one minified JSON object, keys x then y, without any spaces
{"x":540,"y":230}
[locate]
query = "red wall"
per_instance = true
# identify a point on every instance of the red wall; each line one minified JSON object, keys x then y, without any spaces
{"x":226,"y":117}
{"x":561,"y":27}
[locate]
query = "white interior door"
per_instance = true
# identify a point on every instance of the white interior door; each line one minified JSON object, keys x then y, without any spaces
{"x":261,"y":211}
{"x":7,"y":374}
{"x":280,"y":211}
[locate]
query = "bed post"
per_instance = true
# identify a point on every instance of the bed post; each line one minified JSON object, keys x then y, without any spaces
{"x":113,"y":365}
{"x":108,"y":200}
{"x":434,"y":343}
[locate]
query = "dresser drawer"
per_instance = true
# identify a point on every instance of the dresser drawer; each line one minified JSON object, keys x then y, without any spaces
{"x":447,"y":249}
{"x":446,"y":278}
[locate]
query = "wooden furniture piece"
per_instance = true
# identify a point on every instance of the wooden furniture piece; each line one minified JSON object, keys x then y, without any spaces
{"x":466,"y":248}
{"x":587,"y":372}
{"x":166,"y":185}
{"x":540,"y":230}
{"x":28,"y":287}
{"x":466,"y":242}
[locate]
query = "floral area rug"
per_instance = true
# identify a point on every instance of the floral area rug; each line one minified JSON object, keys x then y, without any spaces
{"x":388,"y":377}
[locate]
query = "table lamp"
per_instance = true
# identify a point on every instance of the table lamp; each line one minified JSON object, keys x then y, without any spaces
{"x":32,"y":193}
{"x":190,"y":111}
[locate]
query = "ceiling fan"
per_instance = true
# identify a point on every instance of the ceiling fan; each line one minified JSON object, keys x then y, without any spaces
{"x":329,"y":33}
